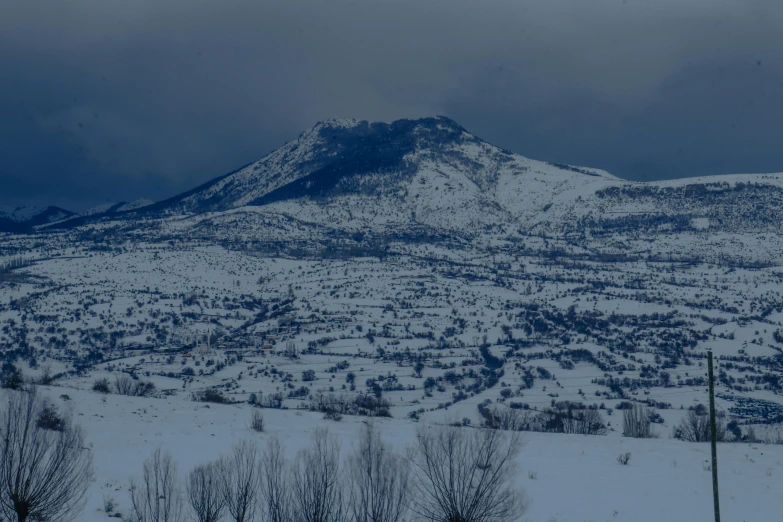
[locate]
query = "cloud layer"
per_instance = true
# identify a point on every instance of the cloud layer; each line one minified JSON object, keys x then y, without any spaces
{"x":109,"y":100}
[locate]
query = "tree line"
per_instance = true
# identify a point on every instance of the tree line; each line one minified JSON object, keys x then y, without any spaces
{"x":448,"y":474}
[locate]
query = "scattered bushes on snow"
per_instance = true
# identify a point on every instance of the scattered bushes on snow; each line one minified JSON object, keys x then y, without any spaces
{"x":563,"y":417}
{"x":363,"y":404}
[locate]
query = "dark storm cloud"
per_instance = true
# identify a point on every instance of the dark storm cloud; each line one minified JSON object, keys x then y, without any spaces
{"x":112,"y":99}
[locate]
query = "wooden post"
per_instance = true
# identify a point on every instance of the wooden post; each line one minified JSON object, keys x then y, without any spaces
{"x":716,"y":498}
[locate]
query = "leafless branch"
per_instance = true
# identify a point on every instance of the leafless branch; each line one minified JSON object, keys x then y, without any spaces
{"x":275,"y":484}
{"x":241,"y":481}
{"x":316,"y":483}
{"x":204,"y":493}
{"x":379,"y":480}
{"x":157,"y":498}
{"x":463,"y":475}
{"x":44,"y":473}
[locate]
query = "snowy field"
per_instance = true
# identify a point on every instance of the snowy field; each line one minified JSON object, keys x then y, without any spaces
{"x":565,"y":478}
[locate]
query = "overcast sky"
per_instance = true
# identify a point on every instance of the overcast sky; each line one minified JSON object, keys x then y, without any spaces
{"x":109,"y":100}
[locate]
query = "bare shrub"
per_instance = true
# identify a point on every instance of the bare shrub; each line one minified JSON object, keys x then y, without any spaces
{"x":44,"y":473}
{"x":157,"y":498}
{"x":637,"y":424}
{"x":333,"y":416}
{"x":317,"y":494}
{"x":144,"y":389}
{"x":101,"y":385}
{"x":204,"y":493}
{"x":46,"y":378}
{"x":125,"y":385}
{"x":563,"y":417}
{"x":49,"y":418}
{"x":109,"y":505}
{"x":362,"y":404}
{"x":379,"y":481}
{"x":586,"y":421}
{"x":240,"y":479}
{"x":624,"y":458}
{"x":257,"y":421}
{"x":275,"y":485}
{"x":464,"y":475}
{"x":695,"y":427}
{"x":274,"y":401}
{"x":212,"y":395}
{"x":11,"y":376}
{"x":501,"y":418}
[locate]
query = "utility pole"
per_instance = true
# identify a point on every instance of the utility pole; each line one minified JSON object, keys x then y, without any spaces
{"x":716,"y":498}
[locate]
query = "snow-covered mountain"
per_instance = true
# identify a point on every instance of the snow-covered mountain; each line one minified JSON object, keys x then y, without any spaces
{"x":24,"y":218}
{"x":355,"y":175}
{"x":431,"y":171}
{"x":104,"y":210}
{"x":430,"y":177}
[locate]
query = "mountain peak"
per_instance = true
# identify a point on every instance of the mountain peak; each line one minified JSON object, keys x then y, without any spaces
{"x":24,"y":218}
{"x":333,"y":129}
{"x":338,"y":123}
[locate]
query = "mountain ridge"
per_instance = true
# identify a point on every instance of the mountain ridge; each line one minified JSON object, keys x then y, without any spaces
{"x":355,"y":175}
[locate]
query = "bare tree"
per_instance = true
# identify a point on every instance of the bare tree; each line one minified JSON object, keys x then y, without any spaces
{"x":204,"y":493}
{"x":379,"y":481}
{"x":462,"y":475}
{"x":317,"y":494}
{"x":585,"y":421}
{"x":124,"y":385}
{"x":157,"y":498}
{"x":275,"y":484}
{"x":44,"y":473}
{"x":241,"y":481}
{"x":636,"y":422}
{"x":695,"y":427}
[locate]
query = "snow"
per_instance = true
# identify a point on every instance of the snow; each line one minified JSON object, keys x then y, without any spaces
{"x":135,"y":204}
{"x":576,"y":478}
